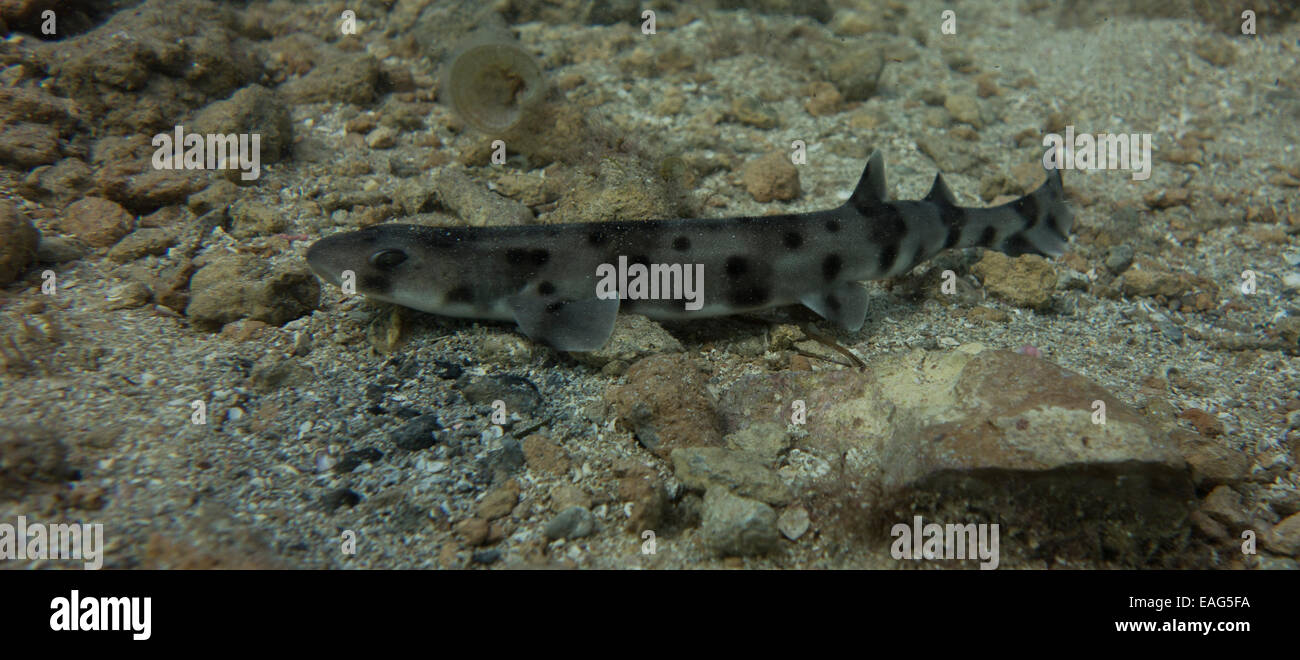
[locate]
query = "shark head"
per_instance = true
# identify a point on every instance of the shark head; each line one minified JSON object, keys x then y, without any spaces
{"x":379,"y":262}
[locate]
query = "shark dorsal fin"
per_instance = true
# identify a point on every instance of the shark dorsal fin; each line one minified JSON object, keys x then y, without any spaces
{"x":871,"y":187}
{"x":939,"y":192}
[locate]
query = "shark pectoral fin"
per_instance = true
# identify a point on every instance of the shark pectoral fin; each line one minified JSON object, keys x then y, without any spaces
{"x":566,"y":325}
{"x":844,"y":304}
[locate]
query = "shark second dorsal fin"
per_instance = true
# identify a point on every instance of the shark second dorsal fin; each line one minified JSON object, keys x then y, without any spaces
{"x":871,"y":187}
{"x":940,"y":193}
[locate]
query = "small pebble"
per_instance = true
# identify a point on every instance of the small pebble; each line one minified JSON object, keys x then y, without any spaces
{"x":793,"y":522}
{"x":574,"y":522}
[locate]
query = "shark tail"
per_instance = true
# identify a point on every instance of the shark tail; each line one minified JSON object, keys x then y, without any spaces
{"x":1044,"y":218}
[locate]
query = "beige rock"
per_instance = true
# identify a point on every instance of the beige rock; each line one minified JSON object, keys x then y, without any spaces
{"x":97,"y":221}
{"x":772,"y":177}
{"x":499,"y":501}
{"x":1024,"y":281}
{"x":947,"y":433}
{"x":700,"y":468}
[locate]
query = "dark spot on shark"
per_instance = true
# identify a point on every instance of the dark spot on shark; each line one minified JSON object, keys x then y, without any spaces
{"x":1017,"y":245}
{"x":832,"y":226}
{"x":951,"y":217}
{"x":748,"y":295}
{"x":1027,"y":207}
{"x":833,"y":303}
{"x":681,"y":244}
{"x":793,"y":240}
{"x":460,"y":294}
{"x":527,"y":258}
{"x":442,"y":240}
{"x":555,"y":306}
{"x":546,"y":288}
{"x":888,"y":255}
{"x":887,"y":225}
{"x":831,"y":266}
{"x":597,"y":237}
{"x":987,"y":236}
{"x":736,"y":266}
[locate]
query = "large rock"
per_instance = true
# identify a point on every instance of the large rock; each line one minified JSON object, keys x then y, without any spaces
{"x":734,"y":526}
{"x":666,"y":405}
{"x":703,"y":467}
{"x":977,"y":436}
{"x":243,"y":286}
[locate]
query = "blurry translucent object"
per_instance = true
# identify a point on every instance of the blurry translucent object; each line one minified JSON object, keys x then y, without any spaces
{"x":491,"y":82}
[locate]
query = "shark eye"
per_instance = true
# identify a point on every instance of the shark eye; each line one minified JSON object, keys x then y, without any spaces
{"x":387,"y":259}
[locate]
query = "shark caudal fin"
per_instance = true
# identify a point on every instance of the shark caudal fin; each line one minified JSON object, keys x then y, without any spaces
{"x":1040,"y":222}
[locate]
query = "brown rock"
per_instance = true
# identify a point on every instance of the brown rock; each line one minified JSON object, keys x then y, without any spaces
{"x":542,"y":454}
{"x":59,"y":184}
{"x":1285,"y":537}
{"x":186,"y":53}
{"x":18,"y":242}
{"x":449,"y":556}
{"x":964,"y":108}
{"x":1206,"y":424}
{"x":1212,"y":462}
{"x":251,"y":110}
{"x":824,"y":100}
{"x":666,"y":405}
{"x":1208,"y":526}
{"x":34,"y":104}
{"x":141,"y":243}
{"x":948,"y":433}
{"x":772,"y":177}
{"x":343,"y":77}
{"x":566,"y":496}
{"x":499,"y":501}
{"x":97,"y":221}
{"x":1150,"y":281}
{"x":30,"y":458}
{"x":1225,"y":505}
{"x":1168,"y":198}
{"x":26,"y":145}
{"x":1024,"y":281}
{"x":648,"y":497}
{"x":473,"y":530}
{"x":213,"y":536}
{"x":243,"y":286}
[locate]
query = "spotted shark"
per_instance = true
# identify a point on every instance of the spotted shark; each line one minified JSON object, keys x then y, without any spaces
{"x":552,"y":280}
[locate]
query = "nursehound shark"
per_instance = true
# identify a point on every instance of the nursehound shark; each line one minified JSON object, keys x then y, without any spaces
{"x":557,"y":281}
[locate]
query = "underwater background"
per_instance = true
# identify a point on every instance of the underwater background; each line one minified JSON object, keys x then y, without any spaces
{"x":171,"y":368}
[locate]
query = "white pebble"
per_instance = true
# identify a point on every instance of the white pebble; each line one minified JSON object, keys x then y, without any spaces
{"x":1291,"y":281}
